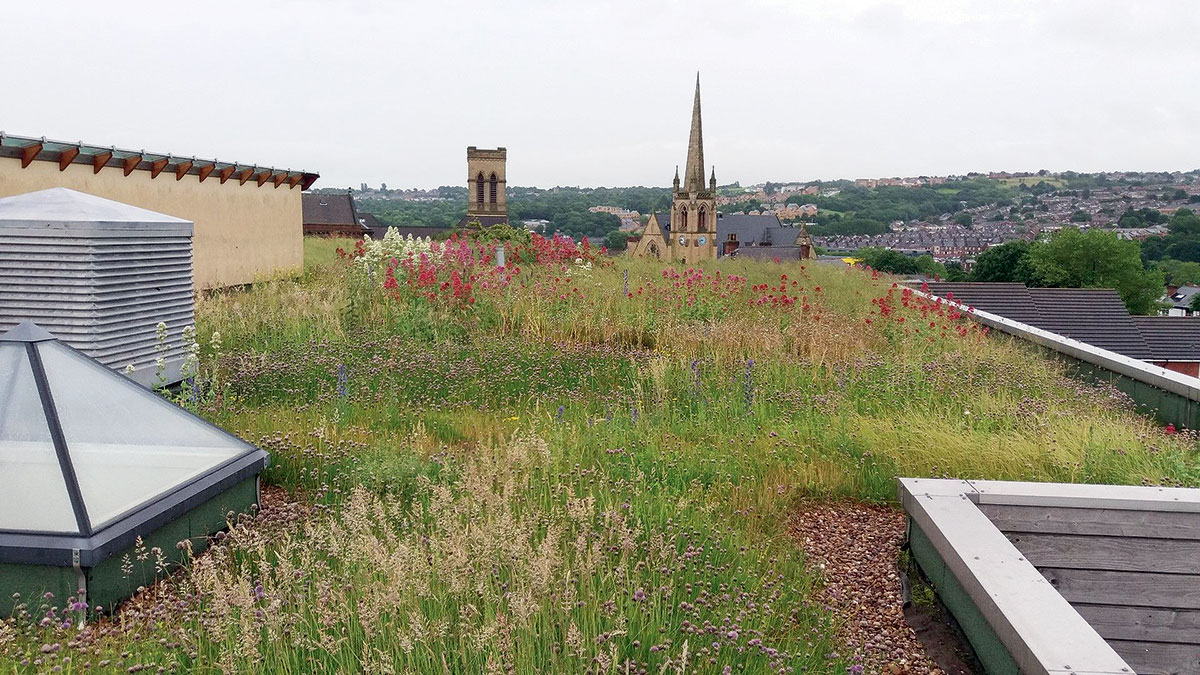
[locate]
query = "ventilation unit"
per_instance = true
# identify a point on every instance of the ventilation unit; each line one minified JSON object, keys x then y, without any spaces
{"x":100,"y":275}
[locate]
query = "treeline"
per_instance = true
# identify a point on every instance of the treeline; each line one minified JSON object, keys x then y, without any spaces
{"x":1072,"y":258}
{"x":1181,"y":243}
{"x":566,"y":209}
{"x":858,"y":210}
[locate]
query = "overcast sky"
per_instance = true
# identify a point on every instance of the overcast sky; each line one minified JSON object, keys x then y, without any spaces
{"x":599,"y":93}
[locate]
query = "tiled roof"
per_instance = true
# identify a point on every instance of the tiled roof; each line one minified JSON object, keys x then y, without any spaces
{"x":1182,"y":298}
{"x":1096,"y":316}
{"x":368,"y":220}
{"x":749,"y":229}
{"x":1171,"y":338}
{"x":328,"y":209}
{"x":484,"y":221}
{"x":1009,"y":300}
{"x":768,"y":252}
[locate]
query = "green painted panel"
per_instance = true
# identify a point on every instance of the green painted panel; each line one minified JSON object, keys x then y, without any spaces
{"x":119,"y":576}
{"x":1164,"y":406}
{"x":988,"y":649}
{"x":29,"y":583}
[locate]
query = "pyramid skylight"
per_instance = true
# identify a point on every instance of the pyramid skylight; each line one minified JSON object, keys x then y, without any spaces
{"x":87,"y":455}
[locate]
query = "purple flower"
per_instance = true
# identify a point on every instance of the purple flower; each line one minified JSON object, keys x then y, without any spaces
{"x":639,"y":595}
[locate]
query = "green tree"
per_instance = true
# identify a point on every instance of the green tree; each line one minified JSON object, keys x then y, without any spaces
{"x":1080,"y":216}
{"x":1184,"y":221}
{"x":1007,"y":262}
{"x":954,"y":272}
{"x":929,"y":267}
{"x":1179,"y":272}
{"x":1098,"y":259}
{"x":887,"y":260}
{"x":964,"y":219}
{"x":616,"y":240}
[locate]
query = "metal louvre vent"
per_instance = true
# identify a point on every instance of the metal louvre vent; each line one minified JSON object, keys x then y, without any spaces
{"x":101,"y":286}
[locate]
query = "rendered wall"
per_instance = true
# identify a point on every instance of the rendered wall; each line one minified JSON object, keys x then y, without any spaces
{"x":242,"y":232}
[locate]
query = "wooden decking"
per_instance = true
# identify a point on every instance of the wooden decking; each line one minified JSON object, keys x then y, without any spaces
{"x":1067,"y":578}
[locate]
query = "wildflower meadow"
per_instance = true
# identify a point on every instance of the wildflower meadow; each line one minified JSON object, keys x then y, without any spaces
{"x":571,"y":462}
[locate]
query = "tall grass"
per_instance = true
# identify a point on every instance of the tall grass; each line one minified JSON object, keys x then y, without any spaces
{"x":588,"y":470}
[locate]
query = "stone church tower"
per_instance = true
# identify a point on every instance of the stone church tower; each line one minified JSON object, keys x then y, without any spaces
{"x":687,"y":234}
{"x":486,"y":200}
{"x":693,"y":232}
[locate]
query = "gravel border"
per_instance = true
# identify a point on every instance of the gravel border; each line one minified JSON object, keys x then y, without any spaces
{"x":855,"y":548}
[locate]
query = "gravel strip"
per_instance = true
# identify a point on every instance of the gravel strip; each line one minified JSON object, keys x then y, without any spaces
{"x":856,"y":548}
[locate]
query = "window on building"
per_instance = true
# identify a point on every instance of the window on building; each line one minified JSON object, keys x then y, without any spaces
{"x":683,"y":214}
{"x":479,"y":188}
{"x":700,"y":221}
{"x":492,"y":189}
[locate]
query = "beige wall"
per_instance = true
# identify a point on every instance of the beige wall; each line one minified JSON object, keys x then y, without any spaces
{"x":243,"y":232}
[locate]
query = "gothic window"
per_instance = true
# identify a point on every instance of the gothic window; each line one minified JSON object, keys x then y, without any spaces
{"x":683,"y":214}
{"x":479,"y":188}
{"x":492,"y":189}
{"x":700,"y":221}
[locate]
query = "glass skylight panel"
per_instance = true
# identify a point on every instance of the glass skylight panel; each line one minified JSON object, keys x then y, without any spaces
{"x":33,"y":492}
{"x":127,"y":444}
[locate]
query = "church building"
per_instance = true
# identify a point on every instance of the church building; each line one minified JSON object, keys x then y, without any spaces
{"x":693,"y":230}
{"x":487,"y":204}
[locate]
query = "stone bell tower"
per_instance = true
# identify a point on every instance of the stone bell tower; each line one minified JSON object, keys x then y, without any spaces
{"x":486,"y":201}
{"x":693,"y":234}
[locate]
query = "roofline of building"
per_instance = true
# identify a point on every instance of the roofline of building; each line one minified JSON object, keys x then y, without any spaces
{"x":65,"y":153}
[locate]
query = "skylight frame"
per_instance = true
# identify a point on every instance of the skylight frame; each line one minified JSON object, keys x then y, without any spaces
{"x":90,"y":546}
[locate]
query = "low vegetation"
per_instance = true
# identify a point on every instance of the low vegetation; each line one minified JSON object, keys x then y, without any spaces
{"x":575,"y":463}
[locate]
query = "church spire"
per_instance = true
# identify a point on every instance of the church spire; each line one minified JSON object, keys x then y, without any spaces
{"x":693,"y":174}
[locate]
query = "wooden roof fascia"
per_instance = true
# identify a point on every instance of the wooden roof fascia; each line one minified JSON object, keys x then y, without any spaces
{"x":182,"y":168}
{"x":100,"y":160}
{"x":157,"y":166}
{"x":29,"y":152}
{"x":131,"y":163}
{"x":66,"y":157}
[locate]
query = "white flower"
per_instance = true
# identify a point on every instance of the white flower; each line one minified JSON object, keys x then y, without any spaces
{"x":129,"y":369}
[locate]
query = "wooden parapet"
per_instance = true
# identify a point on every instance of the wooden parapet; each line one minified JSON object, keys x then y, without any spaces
{"x":1038,"y":628}
{"x":1066,"y":578}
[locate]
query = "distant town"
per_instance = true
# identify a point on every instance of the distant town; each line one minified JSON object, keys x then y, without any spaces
{"x":847,"y":215}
